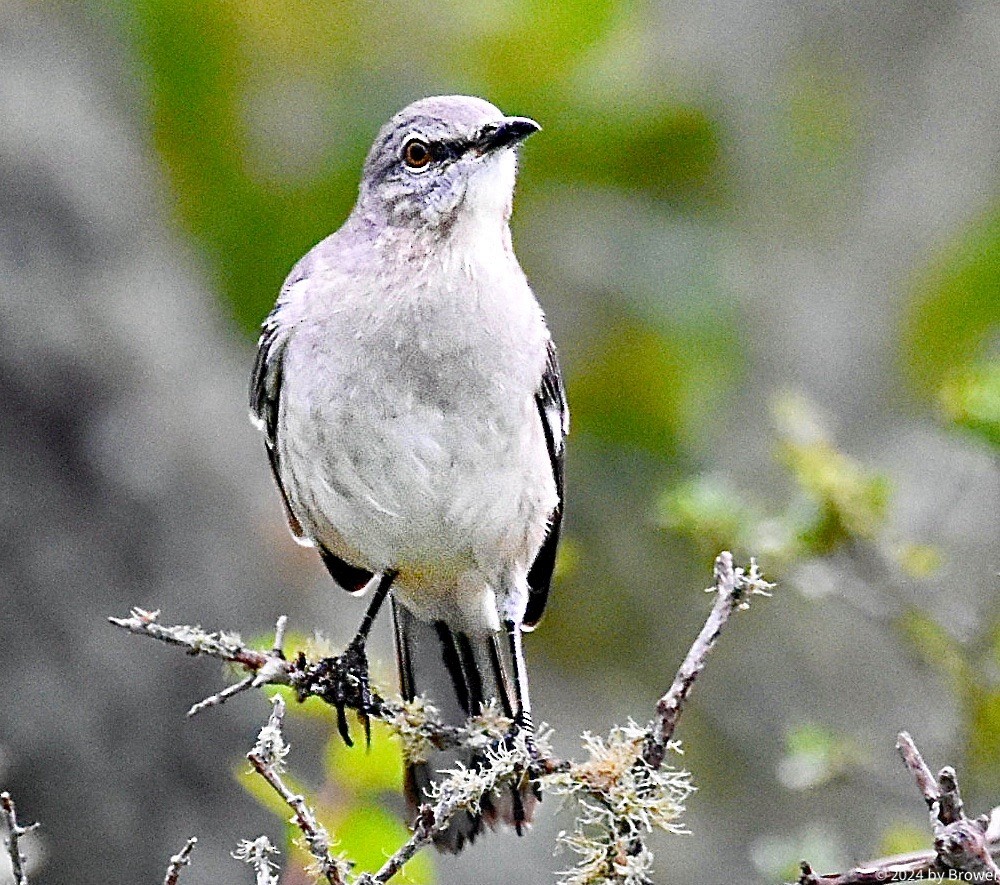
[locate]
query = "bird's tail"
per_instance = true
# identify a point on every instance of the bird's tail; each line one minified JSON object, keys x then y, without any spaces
{"x":473,"y":675}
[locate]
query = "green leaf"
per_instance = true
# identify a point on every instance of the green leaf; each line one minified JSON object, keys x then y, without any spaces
{"x":814,"y":756}
{"x":368,"y":832}
{"x":366,"y":772}
{"x":849,"y":500}
{"x":970,"y":398}
{"x":919,"y":560}
{"x":956,"y":308}
{"x":708,"y":512}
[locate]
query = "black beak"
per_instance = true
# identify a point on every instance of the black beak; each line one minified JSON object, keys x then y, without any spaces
{"x":509,"y":131}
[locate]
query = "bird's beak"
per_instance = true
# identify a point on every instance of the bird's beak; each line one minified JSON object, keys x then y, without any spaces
{"x":509,"y":131}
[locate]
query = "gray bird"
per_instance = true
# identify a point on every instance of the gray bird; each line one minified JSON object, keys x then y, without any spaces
{"x":414,"y":412}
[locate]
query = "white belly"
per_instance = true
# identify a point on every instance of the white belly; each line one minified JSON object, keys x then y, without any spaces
{"x":423,"y":462}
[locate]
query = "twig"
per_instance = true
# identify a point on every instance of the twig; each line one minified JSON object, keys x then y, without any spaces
{"x":962,"y":847}
{"x":463,"y":790}
{"x":267,"y":758}
{"x":308,"y":678}
{"x":179,"y":861}
{"x":918,"y":768}
{"x":733,"y":588}
{"x":624,"y":789}
{"x":15,"y":832}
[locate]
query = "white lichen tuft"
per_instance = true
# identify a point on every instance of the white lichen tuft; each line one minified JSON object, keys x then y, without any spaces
{"x":332,"y":867}
{"x":464,"y":787}
{"x":258,"y":853}
{"x":488,"y":727}
{"x":748,"y":582}
{"x":621,"y":799}
{"x":412,"y":725}
{"x":271,"y":745}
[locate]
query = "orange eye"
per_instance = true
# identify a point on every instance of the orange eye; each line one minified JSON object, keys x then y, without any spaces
{"x":416,"y":154}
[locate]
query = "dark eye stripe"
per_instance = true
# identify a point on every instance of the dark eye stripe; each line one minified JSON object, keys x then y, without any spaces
{"x":442,"y":150}
{"x":446,"y":149}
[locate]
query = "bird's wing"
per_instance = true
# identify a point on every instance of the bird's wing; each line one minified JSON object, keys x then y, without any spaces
{"x":550,"y":398}
{"x":265,"y":404}
{"x":265,"y":398}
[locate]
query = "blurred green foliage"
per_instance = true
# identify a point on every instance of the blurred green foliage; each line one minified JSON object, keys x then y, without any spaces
{"x":816,"y":755}
{"x":903,"y":838}
{"x":650,"y":389}
{"x":840,"y":506}
{"x":955,"y":314}
{"x":263,"y":114}
{"x":837,"y":500}
{"x":970,"y":398}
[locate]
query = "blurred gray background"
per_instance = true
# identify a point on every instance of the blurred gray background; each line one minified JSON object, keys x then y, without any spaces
{"x":731,"y":202}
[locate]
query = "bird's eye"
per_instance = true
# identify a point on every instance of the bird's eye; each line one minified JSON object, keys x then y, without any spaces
{"x":416,"y":153}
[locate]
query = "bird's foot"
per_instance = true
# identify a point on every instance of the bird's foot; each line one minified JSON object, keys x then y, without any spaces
{"x":355,"y":663}
{"x":524,"y":727}
{"x":342,"y":681}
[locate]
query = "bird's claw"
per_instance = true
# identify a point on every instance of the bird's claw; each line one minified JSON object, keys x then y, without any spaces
{"x":343,"y":683}
{"x":355,"y":664}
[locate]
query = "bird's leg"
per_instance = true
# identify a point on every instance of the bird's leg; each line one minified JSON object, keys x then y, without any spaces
{"x":355,"y":660}
{"x":522,"y":716}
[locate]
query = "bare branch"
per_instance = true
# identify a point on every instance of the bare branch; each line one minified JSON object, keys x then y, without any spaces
{"x":267,"y":758}
{"x":963,"y":848}
{"x":179,"y":861}
{"x":14,"y":833}
{"x":733,"y":588}
{"x":921,"y":773}
{"x":225,"y":646}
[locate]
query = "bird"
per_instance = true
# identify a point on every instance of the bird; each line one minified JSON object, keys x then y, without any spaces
{"x":415,"y":417}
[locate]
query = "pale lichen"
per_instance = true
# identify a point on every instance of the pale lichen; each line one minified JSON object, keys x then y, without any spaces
{"x":258,"y":853}
{"x":621,"y":799}
{"x":271,"y":746}
{"x":412,"y":725}
{"x":748,"y":582}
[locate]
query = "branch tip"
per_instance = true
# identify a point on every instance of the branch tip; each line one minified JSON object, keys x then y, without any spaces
{"x":179,"y":861}
{"x":14,"y":833}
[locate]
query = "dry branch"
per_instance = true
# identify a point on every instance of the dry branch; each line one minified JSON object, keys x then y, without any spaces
{"x":733,"y":588}
{"x":623,"y":789}
{"x":14,"y":833}
{"x":179,"y":861}
{"x":267,"y":758}
{"x":963,"y":848}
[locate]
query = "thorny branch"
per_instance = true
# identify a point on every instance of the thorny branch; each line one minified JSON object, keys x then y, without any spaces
{"x":963,"y":848}
{"x":623,"y":789}
{"x":14,"y":833}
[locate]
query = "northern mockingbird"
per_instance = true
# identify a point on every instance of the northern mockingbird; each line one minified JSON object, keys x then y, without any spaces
{"x":414,"y":411}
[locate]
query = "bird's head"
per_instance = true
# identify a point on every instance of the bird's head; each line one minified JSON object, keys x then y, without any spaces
{"x":443,"y":160}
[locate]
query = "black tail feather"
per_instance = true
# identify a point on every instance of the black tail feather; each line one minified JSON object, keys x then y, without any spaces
{"x":477,"y":675}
